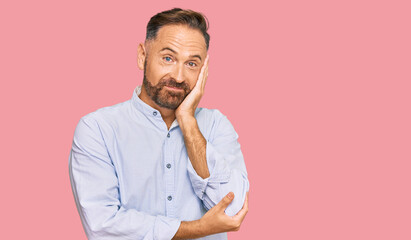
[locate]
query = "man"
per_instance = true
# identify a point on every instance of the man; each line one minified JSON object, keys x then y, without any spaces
{"x":156,"y":166}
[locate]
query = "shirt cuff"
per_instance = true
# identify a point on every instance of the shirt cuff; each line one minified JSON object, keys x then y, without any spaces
{"x":165,"y":227}
{"x":218,"y":169}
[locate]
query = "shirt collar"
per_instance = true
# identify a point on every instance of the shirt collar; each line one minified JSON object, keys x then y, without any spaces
{"x":142,"y":106}
{"x":147,"y":109}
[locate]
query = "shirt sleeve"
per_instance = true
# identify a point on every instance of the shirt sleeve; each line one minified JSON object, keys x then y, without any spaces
{"x":96,"y":192}
{"x":226,"y":166}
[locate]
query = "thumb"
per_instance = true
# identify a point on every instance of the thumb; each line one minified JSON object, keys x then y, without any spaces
{"x":223,"y":204}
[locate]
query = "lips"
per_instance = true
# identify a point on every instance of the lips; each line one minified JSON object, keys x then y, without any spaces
{"x":175,"y":88}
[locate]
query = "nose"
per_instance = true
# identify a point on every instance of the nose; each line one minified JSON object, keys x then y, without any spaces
{"x":178,"y":73}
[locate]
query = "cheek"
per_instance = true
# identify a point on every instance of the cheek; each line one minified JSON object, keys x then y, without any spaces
{"x":155,"y":72}
{"x":192,"y":77}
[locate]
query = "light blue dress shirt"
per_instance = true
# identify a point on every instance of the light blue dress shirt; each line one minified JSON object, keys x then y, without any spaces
{"x":132,"y":178}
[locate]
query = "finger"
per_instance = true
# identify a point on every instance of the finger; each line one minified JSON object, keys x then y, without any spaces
{"x":223,"y":204}
{"x":205,"y":73}
{"x":207,"y":60}
{"x":200,"y":80}
{"x":203,"y":82}
{"x":245,"y":205}
{"x":205,"y":66}
{"x":246,"y":201}
{"x":241,"y":214}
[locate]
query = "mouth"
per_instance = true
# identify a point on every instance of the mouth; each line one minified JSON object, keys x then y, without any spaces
{"x":174,"y":88}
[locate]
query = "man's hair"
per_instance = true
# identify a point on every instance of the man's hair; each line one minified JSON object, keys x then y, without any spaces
{"x":177,"y":16}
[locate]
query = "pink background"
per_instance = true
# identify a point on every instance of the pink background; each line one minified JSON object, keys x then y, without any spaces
{"x":319,"y":92}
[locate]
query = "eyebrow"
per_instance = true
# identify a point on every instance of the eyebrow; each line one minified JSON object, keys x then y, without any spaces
{"x":171,"y":50}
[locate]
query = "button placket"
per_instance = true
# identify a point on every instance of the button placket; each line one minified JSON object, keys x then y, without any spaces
{"x":169,"y":176}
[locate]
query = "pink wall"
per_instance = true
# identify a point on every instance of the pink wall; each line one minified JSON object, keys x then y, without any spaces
{"x":318,"y":91}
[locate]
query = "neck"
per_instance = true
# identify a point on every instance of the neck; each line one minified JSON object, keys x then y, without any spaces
{"x":168,"y":115}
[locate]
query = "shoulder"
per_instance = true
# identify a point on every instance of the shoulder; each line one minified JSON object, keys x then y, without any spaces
{"x":209,"y":117}
{"x":212,"y":122}
{"x":109,"y":112}
{"x":209,"y":114}
{"x":106,"y":116}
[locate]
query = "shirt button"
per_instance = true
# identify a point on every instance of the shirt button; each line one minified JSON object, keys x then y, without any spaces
{"x":155,"y":113}
{"x":168,"y":135}
{"x":169,"y":198}
{"x":168,"y":165}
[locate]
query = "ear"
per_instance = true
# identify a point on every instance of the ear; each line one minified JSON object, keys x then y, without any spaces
{"x":141,"y":56}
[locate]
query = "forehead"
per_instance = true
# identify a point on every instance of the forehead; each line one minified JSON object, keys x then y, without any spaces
{"x":180,"y":38}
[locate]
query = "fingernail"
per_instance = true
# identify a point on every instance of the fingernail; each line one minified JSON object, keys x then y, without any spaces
{"x":230,"y":195}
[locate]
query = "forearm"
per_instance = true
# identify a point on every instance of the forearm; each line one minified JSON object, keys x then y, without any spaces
{"x":195,"y":144}
{"x":214,"y":221}
{"x":190,"y":230}
{"x":226,"y":167}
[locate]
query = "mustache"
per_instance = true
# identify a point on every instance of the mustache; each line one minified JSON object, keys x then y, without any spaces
{"x":171,"y":82}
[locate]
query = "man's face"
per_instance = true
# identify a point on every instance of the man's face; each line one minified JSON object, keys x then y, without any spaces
{"x":173,"y":61}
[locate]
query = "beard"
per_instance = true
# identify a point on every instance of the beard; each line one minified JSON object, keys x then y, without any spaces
{"x":164,"y":97}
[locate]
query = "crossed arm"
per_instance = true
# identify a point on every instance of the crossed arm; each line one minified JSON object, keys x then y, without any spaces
{"x":215,"y":220}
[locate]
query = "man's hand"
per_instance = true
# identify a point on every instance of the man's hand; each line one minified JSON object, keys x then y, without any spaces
{"x":217,"y":221}
{"x":214,"y":221}
{"x":190,"y":103}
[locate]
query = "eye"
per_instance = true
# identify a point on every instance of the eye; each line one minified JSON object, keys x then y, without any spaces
{"x":192,"y":64}
{"x":167,"y":59}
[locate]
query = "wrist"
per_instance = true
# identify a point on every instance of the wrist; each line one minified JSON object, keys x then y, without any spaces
{"x":203,"y":229}
{"x":190,"y":229}
{"x":186,"y":120}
